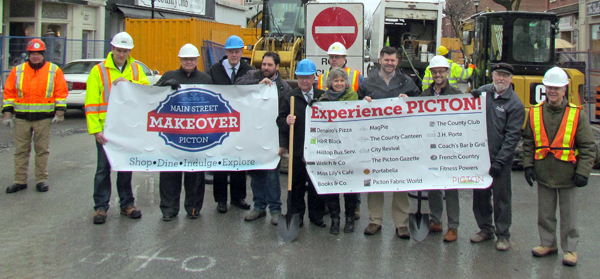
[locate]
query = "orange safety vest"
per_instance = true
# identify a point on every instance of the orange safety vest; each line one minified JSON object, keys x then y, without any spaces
{"x":41,"y":99}
{"x":562,"y":145}
{"x":352,"y":78}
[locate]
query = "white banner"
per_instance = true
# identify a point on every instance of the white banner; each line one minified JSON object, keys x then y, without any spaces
{"x":186,"y":6}
{"x":197,"y":128}
{"x":398,"y":144}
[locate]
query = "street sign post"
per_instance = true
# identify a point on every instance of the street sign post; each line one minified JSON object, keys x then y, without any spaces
{"x":328,"y":23}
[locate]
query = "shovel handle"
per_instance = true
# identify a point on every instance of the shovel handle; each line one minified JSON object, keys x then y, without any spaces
{"x":291,"y":145}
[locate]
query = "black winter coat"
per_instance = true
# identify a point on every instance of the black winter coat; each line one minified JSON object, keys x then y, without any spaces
{"x":219,"y":75}
{"x":255,"y":76}
{"x":300,"y":106}
{"x":196,"y":77}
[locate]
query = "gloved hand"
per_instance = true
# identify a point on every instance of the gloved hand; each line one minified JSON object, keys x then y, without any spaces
{"x":495,"y":169}
{"x":173,"y":83}
{"x":8,"y":120}
{"x":529,"y":175}
{"x":312,"y":101}
{"x":472,"y":66}
{"x":59,"y":116}
{"x":580,"y":180}
{"x":476,"y":93}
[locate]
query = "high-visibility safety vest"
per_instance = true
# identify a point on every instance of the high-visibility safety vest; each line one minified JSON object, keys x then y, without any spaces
{"x":99,"y":84}
{"x":352,"y":78}
{"x":456,"y":73}
{"x":562,"y":145}
{"x":36,"y":91}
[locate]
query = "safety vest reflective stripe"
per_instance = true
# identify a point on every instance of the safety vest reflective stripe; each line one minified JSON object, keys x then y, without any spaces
{"x":562,"y":145}
{"x":352,"y":79}
{"x":21,"y":107}
{"x":19,"y":80}
{"x":106,"y":81}
{"x":34,"y":107}
{"x":451,"y":79}
{"x":50,"y":85}
{"x":9,"y":102}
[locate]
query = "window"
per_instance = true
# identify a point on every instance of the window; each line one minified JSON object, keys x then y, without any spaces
{"x":531,"y":40}
{"x":22,"y":8}
{"x":495,"y":37}
{"x":54,"y":11}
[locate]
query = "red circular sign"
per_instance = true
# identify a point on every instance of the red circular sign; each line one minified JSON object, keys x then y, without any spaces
{"x":334,"y":25}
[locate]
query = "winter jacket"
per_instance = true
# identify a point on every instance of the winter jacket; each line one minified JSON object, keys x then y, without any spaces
{"x":550,"y":171}
{"x":375,"y":87}
{"x":219,"y":75}
{"x":255,"y":76}
{"x":196,"y":77}
{"x":29,"y":96}
{"x":505,"y":117}
{"x":300,"y":106}
{"x":456,"y":73}
{"x":96,"y":100}
{"x":447,"y":90}
{"x":350,"y":95}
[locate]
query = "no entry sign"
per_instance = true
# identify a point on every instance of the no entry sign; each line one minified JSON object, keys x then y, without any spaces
{"x":327,"y":23}
{"x":334,"y":24}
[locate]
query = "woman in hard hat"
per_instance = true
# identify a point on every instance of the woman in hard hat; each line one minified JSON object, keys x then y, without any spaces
{"x":340,"y":90}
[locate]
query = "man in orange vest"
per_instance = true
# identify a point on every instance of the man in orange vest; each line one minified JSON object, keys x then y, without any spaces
{"x":36,"y":93}
{"x":558,"y":152}
{"x":337,"y":58}
{"x":119,"y":66}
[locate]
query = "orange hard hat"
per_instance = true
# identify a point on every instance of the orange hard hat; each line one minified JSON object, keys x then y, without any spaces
{"x":36,"y":45}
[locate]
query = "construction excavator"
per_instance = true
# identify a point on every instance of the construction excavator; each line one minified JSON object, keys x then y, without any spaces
{"x":283,"y":27}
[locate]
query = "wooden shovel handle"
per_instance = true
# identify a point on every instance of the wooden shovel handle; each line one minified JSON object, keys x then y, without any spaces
{"x":291,"y":147}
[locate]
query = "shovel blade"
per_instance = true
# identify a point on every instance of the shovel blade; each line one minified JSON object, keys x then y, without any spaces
{"x":288,"y":227}
{"x":418,"y":225}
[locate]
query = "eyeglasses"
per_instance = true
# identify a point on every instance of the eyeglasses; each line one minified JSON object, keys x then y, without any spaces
{"x":336,"y":56}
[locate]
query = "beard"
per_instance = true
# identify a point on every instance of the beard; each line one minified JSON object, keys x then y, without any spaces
{"x":37,"y":66}
{"x":501,"y":87}
{"x":268,"y":74}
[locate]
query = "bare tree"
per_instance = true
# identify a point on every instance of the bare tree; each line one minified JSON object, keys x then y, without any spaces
{"x":508,"y":4}
{"x":368,"y":25}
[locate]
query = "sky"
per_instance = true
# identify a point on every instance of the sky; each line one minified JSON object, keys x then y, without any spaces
{"x":370,"y":5}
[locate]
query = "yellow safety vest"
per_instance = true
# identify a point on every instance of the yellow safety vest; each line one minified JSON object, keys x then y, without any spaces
{"x":352,"y":78}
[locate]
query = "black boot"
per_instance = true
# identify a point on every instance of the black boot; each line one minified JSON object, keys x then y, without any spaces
{"x":349,"y":226}
{"x":335,"y":225}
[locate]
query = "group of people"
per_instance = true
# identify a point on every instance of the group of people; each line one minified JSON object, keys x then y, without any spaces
{"x":558,"y":142}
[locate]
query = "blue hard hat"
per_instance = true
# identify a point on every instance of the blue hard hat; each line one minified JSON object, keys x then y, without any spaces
{"x":305,"y":68}
{"x":234,"y":42}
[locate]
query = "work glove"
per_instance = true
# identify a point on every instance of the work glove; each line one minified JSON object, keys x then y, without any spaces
{"x":59,"y":116}
{"x":580,"y":180}
{"x":472,"y":66}
{"x":8,"y":120}
{"x":495,"y":169}
{"x":173,"y":83}
{"x":476,"y":93}
{"x":529,"y":175}
{"x":312,"y":101}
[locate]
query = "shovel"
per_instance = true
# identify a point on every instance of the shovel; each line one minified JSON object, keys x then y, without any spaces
{"x":288,"y":225}
{"x":418,"y":223}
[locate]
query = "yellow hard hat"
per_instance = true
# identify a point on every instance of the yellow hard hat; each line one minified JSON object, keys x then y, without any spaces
{"x":442,"y":50}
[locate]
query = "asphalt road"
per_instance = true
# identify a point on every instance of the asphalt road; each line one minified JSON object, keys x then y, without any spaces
{"x":51,"y":235}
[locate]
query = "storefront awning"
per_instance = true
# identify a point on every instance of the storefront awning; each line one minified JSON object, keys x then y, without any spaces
{"x":147,"y":14}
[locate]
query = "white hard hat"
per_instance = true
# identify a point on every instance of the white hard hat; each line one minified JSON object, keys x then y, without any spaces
{"x":122,"y":40}
{"x":556,"y":77}
{"x":439,"y":61}
{"x":337,"y":49}
{"x":188,"y":50}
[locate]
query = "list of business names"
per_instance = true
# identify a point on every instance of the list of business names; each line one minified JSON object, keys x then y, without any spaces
{"x":398,"y":144}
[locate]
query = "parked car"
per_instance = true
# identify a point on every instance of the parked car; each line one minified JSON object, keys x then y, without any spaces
{"x":76,"y":73}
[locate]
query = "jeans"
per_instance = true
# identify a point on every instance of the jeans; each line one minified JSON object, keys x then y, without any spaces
{"x":170,"y":192}
{"x":266,"y":189}
{"x":102,"y":184}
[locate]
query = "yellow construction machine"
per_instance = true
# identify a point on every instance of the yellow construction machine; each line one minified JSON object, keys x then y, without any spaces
{"x":283,"y":26}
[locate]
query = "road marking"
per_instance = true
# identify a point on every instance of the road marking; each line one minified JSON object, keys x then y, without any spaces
{"x":184,"y":264}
